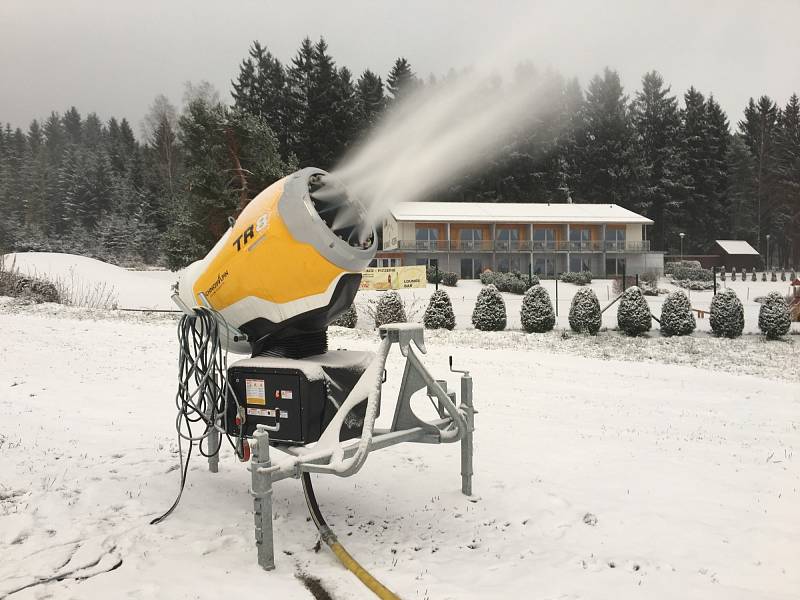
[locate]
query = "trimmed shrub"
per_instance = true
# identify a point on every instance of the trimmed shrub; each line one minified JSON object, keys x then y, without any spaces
{"x":774,"y":277}
{"x":744,"y":274}
{"x":490,"y":310}
{"x":518,"y":286}
{"x":348,"y":318}
{"x":727,"y":314}
{"x":692,"y":273}
{"x":390,"y":309}
{"x":722,"y":273}
{"x":584,"y":312}
{"x":783,"y":275}
{"x":669,"y":268}
{"x":633,"y":314}
{"x":433,"y":276}
{"x":439,"y":314}
{"x":677,"y":317}
{"x":733,"y":273}
{"x":764,"y":276}
{"x":753,"y":277}
{"x":577,"y":277}
{"x":773,"y":316}
{"x":487,"y":277}
{"x":513,"y":283}
{"x":694,"y":285}
{"x":537,"y":311}
{"x":449,"y":278}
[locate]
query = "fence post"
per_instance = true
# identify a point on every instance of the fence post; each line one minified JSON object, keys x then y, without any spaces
{"x":557,"y":295}
{"x":714,"y":271}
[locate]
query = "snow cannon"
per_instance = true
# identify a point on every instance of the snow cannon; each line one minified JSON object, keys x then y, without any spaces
{"x":287,"y":267}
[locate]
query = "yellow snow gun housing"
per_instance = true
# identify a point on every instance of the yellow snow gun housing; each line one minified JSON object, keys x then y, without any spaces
{"x":289,"y":265}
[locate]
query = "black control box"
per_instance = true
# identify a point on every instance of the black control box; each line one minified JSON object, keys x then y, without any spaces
{"x":301,"y":396}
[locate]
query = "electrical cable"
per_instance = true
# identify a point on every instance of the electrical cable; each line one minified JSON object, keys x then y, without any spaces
{"x":203,"y":388}
{"x":327,"y":535}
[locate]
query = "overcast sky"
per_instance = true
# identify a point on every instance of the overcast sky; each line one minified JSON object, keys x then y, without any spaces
{"x":113,"y":57}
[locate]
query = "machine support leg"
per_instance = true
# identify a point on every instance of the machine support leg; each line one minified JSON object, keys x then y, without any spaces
{"x":213,"y":450}
{"x":466,"y":442}
{"x":262,"y":499}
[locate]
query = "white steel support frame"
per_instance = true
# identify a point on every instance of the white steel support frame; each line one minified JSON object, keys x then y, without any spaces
{"x":344,"y":459}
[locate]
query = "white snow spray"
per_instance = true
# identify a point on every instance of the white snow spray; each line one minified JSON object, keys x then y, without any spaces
{"x":436,"y":135}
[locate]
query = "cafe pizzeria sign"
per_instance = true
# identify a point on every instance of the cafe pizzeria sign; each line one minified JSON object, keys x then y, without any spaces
{"x":393,"y":278}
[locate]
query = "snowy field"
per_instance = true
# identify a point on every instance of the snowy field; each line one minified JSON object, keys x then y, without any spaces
{"x":605,"y":468}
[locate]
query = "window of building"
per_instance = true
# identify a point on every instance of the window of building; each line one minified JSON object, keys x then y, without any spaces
{"x":615,"y":266}
{"x":471,"y":268}
{"x":427,"y":237}
{"x":470,"y":238}
{"x":506,"y":238}
{"x":615,"y":238}
{"x":544,"y":266}
{"x":544,"y":238}
{"x":579,"y":238}
{"x":580,"y":262}
{"x":385,"y":262}
{"x":506,"y":264}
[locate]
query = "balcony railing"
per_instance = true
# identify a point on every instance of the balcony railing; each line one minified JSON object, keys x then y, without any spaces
{"x":536,"y":246}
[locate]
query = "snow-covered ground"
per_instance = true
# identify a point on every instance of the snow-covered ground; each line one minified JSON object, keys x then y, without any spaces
{"x":689,"y":472}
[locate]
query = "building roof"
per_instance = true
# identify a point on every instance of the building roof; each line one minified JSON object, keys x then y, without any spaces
{"x":502,"y":212}
{"x":737,"y":247}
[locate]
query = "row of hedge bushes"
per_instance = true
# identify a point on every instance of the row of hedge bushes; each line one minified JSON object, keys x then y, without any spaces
{"x":577,"y":277}
{"x":633,"y":314}
{"x":773,"y":277}
{"x":513,"y":282}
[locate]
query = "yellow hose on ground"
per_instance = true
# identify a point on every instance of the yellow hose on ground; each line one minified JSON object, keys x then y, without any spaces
{"x":327,"y":535}
{"x":377,"y":588}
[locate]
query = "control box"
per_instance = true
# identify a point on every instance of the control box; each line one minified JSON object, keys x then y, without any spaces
{"x":300,"y":396}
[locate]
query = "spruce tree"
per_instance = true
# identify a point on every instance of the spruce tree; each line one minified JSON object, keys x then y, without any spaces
{"x":537,"y":314}
{"x":787,"y":173}
{"x":402,"y":80}
{"x":608,"y":156}
{"x":633,"y":313}
{"x":439,"y":313}
{"x":371,"y":100}
{"x":727,"y":314}
{"x":677,"y":317}
{"x":661,"y":183}
{"x":584,"y":312}
{"x":759,"y":130}
{"x":489,"y":313}
{"x":261,"y":89}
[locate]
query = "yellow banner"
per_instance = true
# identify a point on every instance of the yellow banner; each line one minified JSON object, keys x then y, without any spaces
{"x":393,"y":278}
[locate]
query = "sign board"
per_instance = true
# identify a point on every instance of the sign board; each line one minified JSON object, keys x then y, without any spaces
{"x":393,"y":278}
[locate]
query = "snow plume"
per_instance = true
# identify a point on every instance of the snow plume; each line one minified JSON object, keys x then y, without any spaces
{"x":437,"y":134}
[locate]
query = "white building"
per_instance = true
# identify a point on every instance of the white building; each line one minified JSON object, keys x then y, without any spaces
{"x":468,"y":237}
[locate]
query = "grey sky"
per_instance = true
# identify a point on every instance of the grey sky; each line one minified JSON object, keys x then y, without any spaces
{"x":113,"y":57}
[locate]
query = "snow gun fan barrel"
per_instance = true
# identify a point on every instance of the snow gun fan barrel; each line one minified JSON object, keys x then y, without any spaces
{"x":288,"y":266}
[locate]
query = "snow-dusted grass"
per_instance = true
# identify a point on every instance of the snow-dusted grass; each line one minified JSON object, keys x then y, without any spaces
{"x":606,"y":466}
{"x":94,"y":283}
{"x":597,"y":478}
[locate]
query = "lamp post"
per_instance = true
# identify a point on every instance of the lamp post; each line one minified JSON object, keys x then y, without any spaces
{"x":767,"y":252}
{"x":682,"y":236}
